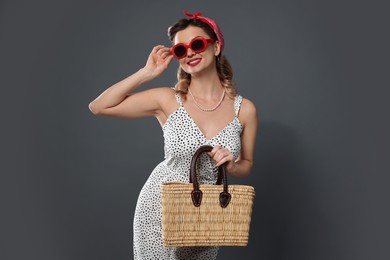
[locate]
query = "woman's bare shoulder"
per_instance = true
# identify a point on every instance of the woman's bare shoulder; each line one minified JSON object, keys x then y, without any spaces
{"x":248,"y":111}
{"x":247,"y":106}
{"x":167,"y":98}
{"x":166,"y":93}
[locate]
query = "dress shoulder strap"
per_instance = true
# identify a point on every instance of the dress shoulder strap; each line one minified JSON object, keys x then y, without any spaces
{"x":237,"y":104}
{"x":178,"y":99}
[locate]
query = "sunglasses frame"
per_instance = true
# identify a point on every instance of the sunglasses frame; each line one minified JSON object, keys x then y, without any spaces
{"x":205,"y":43}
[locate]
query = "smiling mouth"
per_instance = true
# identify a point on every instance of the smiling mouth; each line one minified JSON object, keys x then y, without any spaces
{"x":194,"y":62}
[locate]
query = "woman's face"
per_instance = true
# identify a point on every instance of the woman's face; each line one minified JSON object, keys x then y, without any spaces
{"x":193,"y":63}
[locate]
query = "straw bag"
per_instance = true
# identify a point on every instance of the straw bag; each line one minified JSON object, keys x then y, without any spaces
{"x":205,"y":215}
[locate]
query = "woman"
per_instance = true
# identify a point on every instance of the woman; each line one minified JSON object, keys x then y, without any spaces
{"x":203,"y":108}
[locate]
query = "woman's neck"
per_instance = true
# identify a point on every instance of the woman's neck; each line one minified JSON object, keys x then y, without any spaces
{"x":206,"y":86}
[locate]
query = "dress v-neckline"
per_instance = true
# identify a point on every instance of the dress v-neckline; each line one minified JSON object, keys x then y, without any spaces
{"x":182,"y":108}
{"x":201,"y":132}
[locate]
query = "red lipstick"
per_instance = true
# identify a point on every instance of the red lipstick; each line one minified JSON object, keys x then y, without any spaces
{"x":194,"y":62}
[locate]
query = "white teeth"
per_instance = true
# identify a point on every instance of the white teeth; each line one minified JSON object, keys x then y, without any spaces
{"x":193,"y":61}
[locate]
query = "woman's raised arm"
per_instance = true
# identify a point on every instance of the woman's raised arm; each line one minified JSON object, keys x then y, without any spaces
{"x":119,"y":101}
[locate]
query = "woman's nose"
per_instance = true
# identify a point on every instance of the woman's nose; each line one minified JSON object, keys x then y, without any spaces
{"x":190,"y":52}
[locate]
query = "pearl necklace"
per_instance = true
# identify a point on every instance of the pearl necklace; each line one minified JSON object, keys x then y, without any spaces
{"x":206,"y":109}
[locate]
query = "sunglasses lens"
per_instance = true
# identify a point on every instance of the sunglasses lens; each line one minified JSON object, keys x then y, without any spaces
{"x":198,"y":45}
{"x":180,"y":51}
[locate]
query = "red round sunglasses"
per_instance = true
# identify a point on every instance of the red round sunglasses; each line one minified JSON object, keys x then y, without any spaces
{"x":198,"y":45}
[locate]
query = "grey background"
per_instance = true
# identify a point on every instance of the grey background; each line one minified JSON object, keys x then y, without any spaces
{"x":317,"y":71}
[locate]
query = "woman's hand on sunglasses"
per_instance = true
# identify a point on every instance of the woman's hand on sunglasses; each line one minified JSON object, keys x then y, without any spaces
{"x":158,"y":60}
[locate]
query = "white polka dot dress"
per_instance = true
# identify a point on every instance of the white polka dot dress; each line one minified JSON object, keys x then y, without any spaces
{"x":182,"y":138}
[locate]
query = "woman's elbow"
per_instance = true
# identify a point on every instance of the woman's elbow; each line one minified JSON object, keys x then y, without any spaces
{"x":247,"y":169}
{"x":94,"y":109}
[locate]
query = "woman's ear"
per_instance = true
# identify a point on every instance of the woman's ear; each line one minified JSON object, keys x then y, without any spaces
{"x":217,"y":48}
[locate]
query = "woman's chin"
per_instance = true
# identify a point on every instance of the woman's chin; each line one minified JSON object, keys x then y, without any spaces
{"x":195,"y":70}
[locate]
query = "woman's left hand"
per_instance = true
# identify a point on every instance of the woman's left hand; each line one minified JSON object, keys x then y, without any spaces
{"x":221,"y":155}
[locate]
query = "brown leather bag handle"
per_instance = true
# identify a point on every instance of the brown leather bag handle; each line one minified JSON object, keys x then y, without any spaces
{"x":196,"y":194}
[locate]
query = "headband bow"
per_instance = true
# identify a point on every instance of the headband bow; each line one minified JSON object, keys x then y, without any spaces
{"x":210,"y":22}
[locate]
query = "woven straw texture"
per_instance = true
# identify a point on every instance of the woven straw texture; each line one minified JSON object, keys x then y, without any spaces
{"x":183,"y":224}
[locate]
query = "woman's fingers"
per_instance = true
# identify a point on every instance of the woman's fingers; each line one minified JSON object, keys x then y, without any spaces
{"x":165,"y":54}
{"x":168,"y":59}
{"x":158,"y":60}
{"x":157,"y":48}
{"x":220,"y":155}
{"x":162,"y":50}
{"x":222,"y":161}
{"x":214,"y":150}
{"x":161,"y":53}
